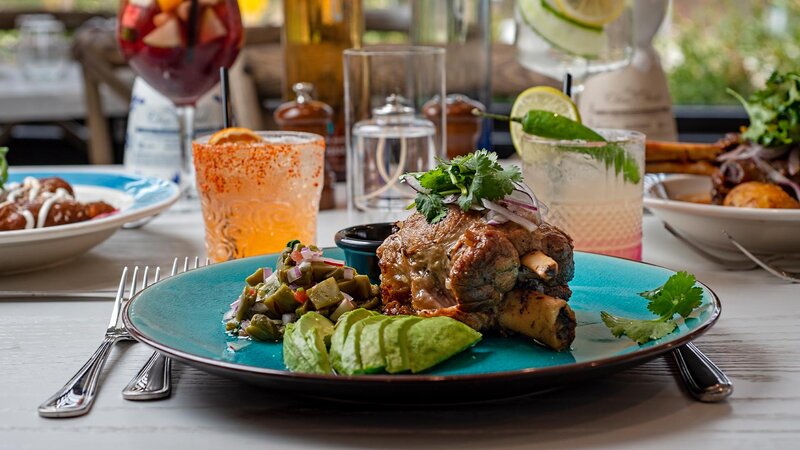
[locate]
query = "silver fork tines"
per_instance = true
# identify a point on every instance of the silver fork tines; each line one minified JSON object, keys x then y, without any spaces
{"x":154,"y":380}
{"x":77,"y":396}
{"x":783,"y":274}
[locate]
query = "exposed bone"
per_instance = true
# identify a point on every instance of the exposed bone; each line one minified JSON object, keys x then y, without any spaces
{"x":542,"y":265}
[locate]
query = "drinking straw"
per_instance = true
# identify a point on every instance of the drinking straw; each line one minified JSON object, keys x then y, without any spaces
{"x":191,"y":29}
{"x":566,"y":87}
{"x":226,"y":95}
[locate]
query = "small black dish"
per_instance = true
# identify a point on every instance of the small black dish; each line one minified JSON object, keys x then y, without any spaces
{"x":359,"y":244}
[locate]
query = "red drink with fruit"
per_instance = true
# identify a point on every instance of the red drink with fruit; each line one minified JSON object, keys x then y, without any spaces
{"x":178,"y":46}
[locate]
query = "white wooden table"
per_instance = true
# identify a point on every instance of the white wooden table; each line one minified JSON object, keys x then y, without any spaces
{"x":42,"y":343}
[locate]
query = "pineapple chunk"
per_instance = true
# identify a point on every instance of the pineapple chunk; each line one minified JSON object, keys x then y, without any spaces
{"x":168,"y":35}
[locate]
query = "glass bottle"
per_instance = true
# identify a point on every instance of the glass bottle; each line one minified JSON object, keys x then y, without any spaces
{"x":384,"y":147}
{"x":315,"y":33}
{"x":311,"y":116}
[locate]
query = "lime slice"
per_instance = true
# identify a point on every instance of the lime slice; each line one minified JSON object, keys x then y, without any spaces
{"x":591,"y":12}
{"x":543,"y":98}
{"x":561,"y":31}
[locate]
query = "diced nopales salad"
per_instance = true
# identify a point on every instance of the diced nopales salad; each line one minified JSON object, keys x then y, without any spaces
{"x":303,"y":281}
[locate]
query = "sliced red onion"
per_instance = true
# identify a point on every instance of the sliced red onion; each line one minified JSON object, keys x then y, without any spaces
{"x":344,"y":306}
{"x":259,"y":308}
{"x":288,"y":318}
{"x":450,"y":199}
{"x":743,"y":151}
{"x":511,"y":201}
{"x":293,"y":274}
{"x":794,"y":162}
{"x":348,"y":273}
{"x":347,"y":296}
{"x":333,"y":262}
{"x":229,"y":315}
{"x":774,"y":175}
{"x":267,"y":271}
{"x":525,"y":223}
{"x":493,"y":218}
{"x":238,"y":345}
{"x":309,"y":254}
{"x":296,"y":256}
{"x":414,"y":183}
{"x":236,"y":302}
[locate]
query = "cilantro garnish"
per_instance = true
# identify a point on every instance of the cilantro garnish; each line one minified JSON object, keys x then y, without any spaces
{"x":3,"y":166}
{"x":678,"y":295}
{"x":472,"y":178}
{"x":774,"y":111}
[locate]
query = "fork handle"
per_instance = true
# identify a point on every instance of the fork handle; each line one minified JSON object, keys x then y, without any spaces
{"x":703,"y":379}
{"x":77,"y":396}
{"x":153,"y":381}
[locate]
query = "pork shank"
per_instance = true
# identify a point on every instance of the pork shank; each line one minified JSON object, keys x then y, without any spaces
{"x":465,"y":268}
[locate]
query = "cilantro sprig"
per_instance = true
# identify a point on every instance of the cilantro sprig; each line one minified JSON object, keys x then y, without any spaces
{"x":3,"y":166}
{"x":678,"y":295}
{"x":472,"y":178}
{"x":774,"y":111}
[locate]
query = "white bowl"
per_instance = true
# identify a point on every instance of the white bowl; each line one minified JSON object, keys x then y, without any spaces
{"x":770,"y":231}
{"x":134,"y":197}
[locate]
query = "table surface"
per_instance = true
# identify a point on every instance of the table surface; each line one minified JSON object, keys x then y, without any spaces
{"x":42,"y":343}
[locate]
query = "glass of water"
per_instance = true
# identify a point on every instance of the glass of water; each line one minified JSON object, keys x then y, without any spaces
{"x":42,"y":50}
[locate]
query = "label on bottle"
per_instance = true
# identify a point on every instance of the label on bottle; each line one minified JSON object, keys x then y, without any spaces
{"x":152,"y":142}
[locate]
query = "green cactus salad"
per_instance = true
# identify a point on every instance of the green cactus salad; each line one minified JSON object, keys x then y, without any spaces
{"x":328,"y":317}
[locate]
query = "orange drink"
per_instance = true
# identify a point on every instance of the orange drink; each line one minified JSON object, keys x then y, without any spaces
{"x":258,"y":191}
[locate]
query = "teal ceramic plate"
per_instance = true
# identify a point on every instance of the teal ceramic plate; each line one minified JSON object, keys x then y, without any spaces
{"x":182,"y":317}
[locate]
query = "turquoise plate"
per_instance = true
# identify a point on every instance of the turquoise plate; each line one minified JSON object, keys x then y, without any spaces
{"x":182,"y":317}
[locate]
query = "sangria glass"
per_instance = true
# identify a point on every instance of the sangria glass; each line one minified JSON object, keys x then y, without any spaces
{"x":178,"y":47}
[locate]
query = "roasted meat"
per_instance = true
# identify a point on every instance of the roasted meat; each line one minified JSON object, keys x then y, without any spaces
{"x":464,"y":268}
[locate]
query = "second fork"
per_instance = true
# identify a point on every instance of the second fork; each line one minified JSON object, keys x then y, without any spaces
{"x":154,"y":380}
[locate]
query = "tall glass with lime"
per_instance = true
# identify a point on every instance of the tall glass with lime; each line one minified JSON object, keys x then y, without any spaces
{"x":580,"y":37}
{"x":591,"y":180}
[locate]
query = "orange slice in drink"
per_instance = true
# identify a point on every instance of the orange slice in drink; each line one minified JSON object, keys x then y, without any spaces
{"x":234,"y":135}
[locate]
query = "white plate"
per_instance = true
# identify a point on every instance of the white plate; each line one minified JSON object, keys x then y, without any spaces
{"x":135,"y":197}
{"x":770,"y":231}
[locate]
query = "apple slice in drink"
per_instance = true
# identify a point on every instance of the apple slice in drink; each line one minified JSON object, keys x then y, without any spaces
{"x":168,"y":35}
{"x":211,"y":27}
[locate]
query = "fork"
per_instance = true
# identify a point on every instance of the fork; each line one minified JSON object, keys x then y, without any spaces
{"x":154,"y":380}
{"x":77,"y":396}
{"x":783,"y":274}
{"x":729,"y":264}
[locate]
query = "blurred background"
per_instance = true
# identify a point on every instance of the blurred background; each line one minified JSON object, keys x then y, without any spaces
{"x":73,"y":110}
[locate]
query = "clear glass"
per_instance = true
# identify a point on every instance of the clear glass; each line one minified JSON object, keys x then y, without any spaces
{"x":416,"y":75}
{"x":593,"y":204}
{"x":178,"y":47}
{"x":256,"y":197}
{"x":551,"y":44}
{"x":42,"y":50}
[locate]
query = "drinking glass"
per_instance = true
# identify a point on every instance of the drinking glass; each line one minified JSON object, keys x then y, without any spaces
{"x":178,"y":46}
{"x":387,"y":134}
{"x":43,"y":47}
{"x":257,"y":196}
{"x":552,"y":43}
{"x":585,"y":197}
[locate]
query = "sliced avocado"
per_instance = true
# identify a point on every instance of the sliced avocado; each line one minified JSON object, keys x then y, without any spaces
{"x":325,"y":293}
{"x":351,"y":349}
{"x":371,"y":347}
{"x":313,"y":328}
{"x":341,"y":331}
{"x":431,"y":341}
{"x":293,"y":358}
{"x":318,"y":322}
{"x":394,"y":343}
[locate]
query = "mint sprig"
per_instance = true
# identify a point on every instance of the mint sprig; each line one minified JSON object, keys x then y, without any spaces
{"x":678,"y":295}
